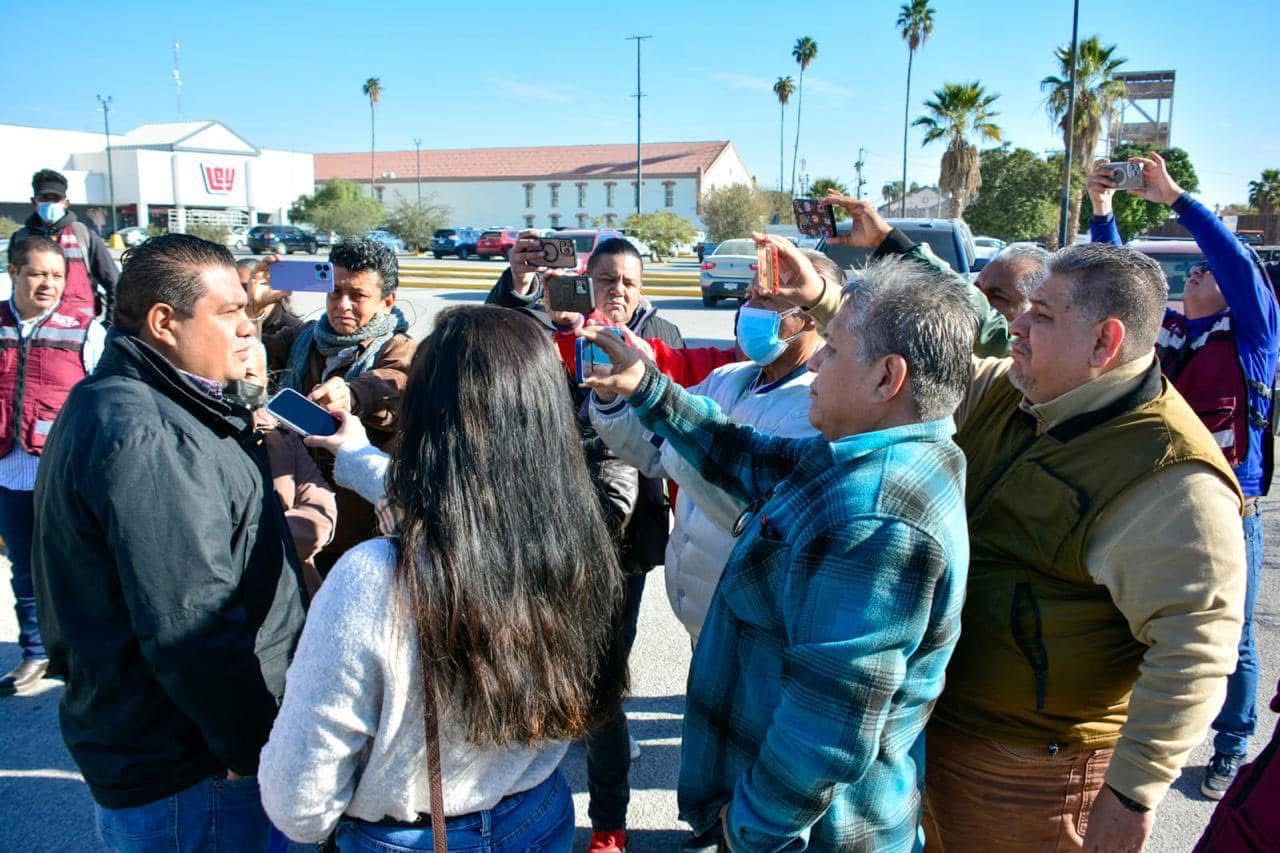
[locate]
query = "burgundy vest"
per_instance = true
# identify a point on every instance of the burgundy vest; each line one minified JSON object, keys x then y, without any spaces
{"x":37,"y":374}
{"x":1206,"y":370}
{"x":79,"y":291}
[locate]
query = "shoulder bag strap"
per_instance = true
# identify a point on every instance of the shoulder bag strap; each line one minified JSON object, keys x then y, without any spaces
{"x":439,"y":838}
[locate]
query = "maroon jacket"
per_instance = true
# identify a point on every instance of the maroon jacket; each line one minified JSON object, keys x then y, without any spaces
{"x":1247,"y":818}
{"x":37,"y":374}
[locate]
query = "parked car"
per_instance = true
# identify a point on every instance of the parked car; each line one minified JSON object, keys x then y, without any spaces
{"x":1176,"y":258}
{"x":727,"y":272}
{"x":495,"y":244}
{"x":585,"y":241}
{"x":133,"y":235}
{"x":391,"y":241}
{"x":281,"y":239}
{"x":324,"y":239}
{"x":950,"y":239}
{"x":987,"y":247}
{"x":454,"y":241}
{"x":237,"y":237}
{"x":643,"y":248}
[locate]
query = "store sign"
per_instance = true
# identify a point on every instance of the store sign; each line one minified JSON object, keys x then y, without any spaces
{"x":218,"y":180}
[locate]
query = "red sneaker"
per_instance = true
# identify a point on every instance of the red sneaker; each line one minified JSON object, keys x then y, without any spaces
{"x":613,"y":841}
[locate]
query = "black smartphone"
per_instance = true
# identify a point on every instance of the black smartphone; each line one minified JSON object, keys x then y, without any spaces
{"x":559,"y":252}
{"x":813,"y":219}
{"x":300,"y":414}
{"x":570,"y":293}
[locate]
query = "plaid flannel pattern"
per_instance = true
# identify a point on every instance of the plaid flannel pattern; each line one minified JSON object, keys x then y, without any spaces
{"x":829,"y":633}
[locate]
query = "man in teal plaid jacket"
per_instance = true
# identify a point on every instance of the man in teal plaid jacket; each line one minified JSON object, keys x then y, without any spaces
{"x":829,"y":633}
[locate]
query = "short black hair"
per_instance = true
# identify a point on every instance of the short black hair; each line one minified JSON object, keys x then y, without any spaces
{"x":614,"y":246}
{"x":357,"y":254}
{"x":164,"y":270}
{"x":35,"y":244}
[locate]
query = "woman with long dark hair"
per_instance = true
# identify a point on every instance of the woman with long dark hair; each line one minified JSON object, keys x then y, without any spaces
{"x":481,"y":629}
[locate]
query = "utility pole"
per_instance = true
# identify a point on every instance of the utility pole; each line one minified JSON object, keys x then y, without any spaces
{"x":177,"y":77}
{"x":1071,"y":128}
{"x":417,"y":148}
{"x":639,"y":94}
{"x":111,"y":175}
{"x":857,"y":167}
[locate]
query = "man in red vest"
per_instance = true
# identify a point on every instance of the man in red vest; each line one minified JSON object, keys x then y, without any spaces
{"x":46,"y":347}
{"x":91,"y":271}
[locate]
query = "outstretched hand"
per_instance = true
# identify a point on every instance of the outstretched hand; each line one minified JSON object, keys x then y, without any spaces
{"x":350,"y":434}
{"x":627,"y":364}
{"x":867,"y":228}
{"x":1100,"y":187}
{"x":1160,"y":185}
{"x":798,"y":280}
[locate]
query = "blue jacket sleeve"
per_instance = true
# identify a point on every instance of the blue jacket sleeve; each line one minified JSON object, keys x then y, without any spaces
{"x":1102,"y":229}
{"x":726,"y":454}
{"x":1253,"y":306}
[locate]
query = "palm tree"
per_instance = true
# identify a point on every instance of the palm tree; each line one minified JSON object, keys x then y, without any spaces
{"x":1097,"y":92}
{"x":891,"y":191}
{"x":784,"y":88}
{"x":1264,"y":194}
{"x":915,"y":22}
{"x":373,"y":88}
{"x":804,"y":52}
{"x":957,"y":112}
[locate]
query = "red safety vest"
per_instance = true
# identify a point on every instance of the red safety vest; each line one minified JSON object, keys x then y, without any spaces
{"x":1206,"y":370}
{"x":79,"y":290}
{"x":38,"y":372}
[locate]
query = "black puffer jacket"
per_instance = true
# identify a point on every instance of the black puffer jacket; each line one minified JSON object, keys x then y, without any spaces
{"x":168,"y":588}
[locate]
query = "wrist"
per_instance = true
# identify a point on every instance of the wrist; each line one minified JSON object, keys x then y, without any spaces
{"x":1175,"y":192}
{"x":822,"y":294}
{"x":1101,"y":206}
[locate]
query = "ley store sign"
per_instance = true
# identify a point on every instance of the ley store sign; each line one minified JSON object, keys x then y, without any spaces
{"x":218,"y":180}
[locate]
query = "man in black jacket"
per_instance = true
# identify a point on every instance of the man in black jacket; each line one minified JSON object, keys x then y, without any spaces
{"x":166,"y":579}
{"x":616,"y":272}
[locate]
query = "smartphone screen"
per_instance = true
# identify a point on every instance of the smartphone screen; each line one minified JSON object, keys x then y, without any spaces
{"x":293,"y":276}
{"x":591,"y":360}
{"x":301,"y":415}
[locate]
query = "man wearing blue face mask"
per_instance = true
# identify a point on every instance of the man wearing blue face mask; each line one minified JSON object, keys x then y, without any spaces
{"x":91,"y":271}
{"x":770,"y":392}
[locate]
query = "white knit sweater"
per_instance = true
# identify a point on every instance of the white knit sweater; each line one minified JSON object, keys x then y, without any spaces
{"x":351,"y":736}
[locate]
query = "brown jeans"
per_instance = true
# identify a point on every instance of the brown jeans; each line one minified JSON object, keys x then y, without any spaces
{"x":989,"y":796}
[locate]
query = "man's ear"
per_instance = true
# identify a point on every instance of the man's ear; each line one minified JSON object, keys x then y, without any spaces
{"x":892,"y":379}
{"x":158,"y":325}
{"x":389,"y":301}
{"x":1107,"y":345}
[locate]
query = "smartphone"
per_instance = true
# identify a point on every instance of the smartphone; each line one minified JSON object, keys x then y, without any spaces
{"x":300,"y":414}
{"x":570,"y":293}
{"x":1127,"y":176}
{"x":813,"y":219}
{"x":591,"y":360}
{"x":293,"y":276}
{"x":557,"y":252}
{"x":767,"y":256}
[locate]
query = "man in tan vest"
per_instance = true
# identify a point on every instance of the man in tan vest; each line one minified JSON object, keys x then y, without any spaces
{"x":1106,"y":581}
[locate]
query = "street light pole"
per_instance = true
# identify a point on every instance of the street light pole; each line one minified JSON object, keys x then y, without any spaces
{"x":417,"y":147}
{"x":639,"y":95}
{"x":1070,"y":134}
{"x":111,"y":175}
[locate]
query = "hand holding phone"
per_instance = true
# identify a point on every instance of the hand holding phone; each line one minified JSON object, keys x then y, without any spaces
{"x":1124,"y":176}
{"x":591,"y":359}
{"x":294,"y":276}
{"x":559,"y":253}
{"x":570,"y":294}
{"x":301,"y":415}
{"x":814,"y":219}
{"x":767,"y":260}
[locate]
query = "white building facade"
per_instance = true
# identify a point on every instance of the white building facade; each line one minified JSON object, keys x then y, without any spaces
{"x":572,"y":186}
{"x":164,"y":175}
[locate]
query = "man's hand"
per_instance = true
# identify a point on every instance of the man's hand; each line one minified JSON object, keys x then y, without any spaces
{"x":1100,"y":188}
{"x":867,"y":228}
{"x":628,"y":367}
{"x":1114,"y":828}
{"x":334,"y":393}
{"x":798,"y":281}
{"x":350,"y":434}
{"x":1161,"y":187}
{"x":526,"y":261}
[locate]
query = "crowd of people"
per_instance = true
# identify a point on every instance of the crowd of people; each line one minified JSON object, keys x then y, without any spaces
{"x":965,"y":566}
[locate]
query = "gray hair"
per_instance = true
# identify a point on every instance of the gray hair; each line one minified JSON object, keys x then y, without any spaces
{"x":249,"y":263}
{"x":1107,"y":281}
{"x":1032,"y":263}
{"x":899,"y":306}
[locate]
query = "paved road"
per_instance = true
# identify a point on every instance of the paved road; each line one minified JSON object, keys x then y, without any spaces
{"x":45,"y":806}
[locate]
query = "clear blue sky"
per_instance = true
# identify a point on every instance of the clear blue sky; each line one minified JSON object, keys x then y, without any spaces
{"x":288,"y":75}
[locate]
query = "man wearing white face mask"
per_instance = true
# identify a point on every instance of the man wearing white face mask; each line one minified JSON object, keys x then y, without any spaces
{"x":770,"y":392}
{"x":91,"y":271}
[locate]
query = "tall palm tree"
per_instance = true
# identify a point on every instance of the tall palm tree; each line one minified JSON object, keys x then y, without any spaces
{"x":957,"y":113}
{"x":784,"y":88}
{"x":805,"y":51}
{"x":1097,"y":93}
{"x":1264,"y":193}
{"x":915,"y":23}
{"x":373,"y":88}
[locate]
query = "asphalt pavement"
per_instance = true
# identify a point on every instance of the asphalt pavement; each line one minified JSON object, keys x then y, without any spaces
{"x":45,"y":806}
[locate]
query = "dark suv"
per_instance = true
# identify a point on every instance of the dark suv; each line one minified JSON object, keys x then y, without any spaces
{"x":281,"y":239}
{"x":454,"y":241}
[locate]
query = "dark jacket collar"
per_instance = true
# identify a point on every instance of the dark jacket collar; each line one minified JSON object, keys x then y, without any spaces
{"x":37,"y":225}
{"x":131,"y":357}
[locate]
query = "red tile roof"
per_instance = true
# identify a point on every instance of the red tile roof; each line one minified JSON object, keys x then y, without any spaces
{"x":661,"y":159}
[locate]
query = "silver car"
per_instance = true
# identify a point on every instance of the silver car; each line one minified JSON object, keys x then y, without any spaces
{"x":727,"y":272}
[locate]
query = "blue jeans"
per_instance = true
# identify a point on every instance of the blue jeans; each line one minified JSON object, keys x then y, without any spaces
{"x":539,"y":819}
{"x":17,"y":520}
{"x":213,"y":815}
{"x":1239,"y":716}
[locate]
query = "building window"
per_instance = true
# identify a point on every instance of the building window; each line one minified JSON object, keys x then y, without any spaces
{"x":610,"y":189}
{"x":669,"y":193}
{"x":582,"y":220}
{"x":528,"y":221}
{"x":555,"y":195}
{"x":555,"y":220}
{"x":610,"y":219}
{"x":528,"y":195}
{"x":582,"y":195}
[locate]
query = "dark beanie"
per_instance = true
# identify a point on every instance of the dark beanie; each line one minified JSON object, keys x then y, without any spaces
{"x":48,"y":181}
